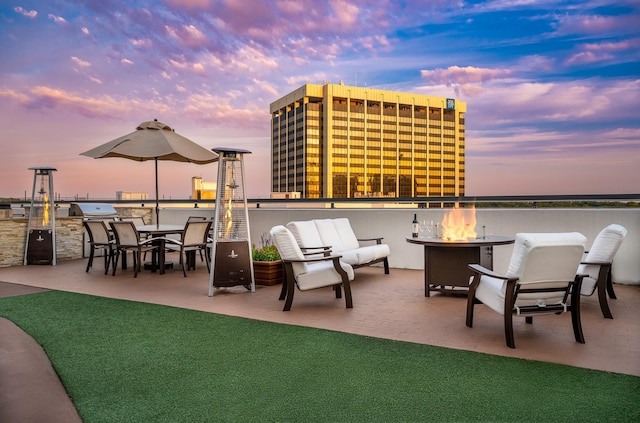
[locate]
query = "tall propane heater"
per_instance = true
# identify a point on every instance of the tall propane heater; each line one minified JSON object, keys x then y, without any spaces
{"x":231,"y":251}
{"x":40,"y":247}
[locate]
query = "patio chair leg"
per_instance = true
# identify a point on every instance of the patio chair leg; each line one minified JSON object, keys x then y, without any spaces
{"x":115,"y":262}
{"x":604,"y":304}
{"x":137,"y":258}
{"x":347,"y":294}
{"x":90,"y":262}
{"x":575,"y":313}
{"x":108,"y":260}
{"x":508,"y":330}
{"x":612,"y":294}
{"x":208,"y":262}
{"x":289,"y":299}
{"x":182,"y":260}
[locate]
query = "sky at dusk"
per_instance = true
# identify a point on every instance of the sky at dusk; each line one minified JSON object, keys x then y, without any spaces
{"x":552,"y":87}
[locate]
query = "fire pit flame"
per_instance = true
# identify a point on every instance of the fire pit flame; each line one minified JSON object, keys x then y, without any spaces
{"x":459,"y":224}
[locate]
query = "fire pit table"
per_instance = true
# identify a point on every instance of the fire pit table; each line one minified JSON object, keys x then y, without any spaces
{"x":445,"y":261}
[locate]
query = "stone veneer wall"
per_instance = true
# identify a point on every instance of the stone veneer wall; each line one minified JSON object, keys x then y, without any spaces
{"x":13,"y":236}
{"x":70,"y":235}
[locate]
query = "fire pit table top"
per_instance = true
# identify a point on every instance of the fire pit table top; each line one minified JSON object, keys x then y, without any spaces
{"x":474,"y":242}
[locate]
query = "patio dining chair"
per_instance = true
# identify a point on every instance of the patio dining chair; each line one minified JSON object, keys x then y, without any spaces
{"x":99,"y":240}
{"x":309,"y":273}
{"x":128,"y":239}
{"x":198,"y":219}
{"x":541,"y":279}
{"x":194,"y":238}
{"x":597,"y":266}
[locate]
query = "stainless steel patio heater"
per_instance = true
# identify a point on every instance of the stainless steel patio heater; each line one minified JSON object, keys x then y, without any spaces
{"x":40,"y":247}
{"x":231,"y":252}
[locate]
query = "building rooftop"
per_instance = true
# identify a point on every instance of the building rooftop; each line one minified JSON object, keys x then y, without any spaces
{"x":385,"y":306}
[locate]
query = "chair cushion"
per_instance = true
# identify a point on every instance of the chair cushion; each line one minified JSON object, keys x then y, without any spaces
{"x":588,"y":283}
{"x":604,"y":248}
{"x":540,"y":260}
{"x":322,"y":274}
{"x":288,"y":247}
{"x":491,"y":292}
{"x":525,"y":242}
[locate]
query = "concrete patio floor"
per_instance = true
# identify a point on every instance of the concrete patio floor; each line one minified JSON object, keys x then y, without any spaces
{"x":385,"y":306}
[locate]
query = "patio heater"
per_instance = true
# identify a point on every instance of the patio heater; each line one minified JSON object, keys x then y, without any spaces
{"x":231,"y":251}
{"x":40,"y":247}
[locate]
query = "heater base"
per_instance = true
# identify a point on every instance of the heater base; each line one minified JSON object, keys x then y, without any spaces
{"x":40,"y":247}
{"x":232,"y":264}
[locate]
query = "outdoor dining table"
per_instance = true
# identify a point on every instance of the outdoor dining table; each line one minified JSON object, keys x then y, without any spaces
{"x":160,"y":232}
{"x":446,"y":261}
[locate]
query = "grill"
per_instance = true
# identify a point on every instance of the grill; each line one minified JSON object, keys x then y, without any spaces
{"x":93,"y":210}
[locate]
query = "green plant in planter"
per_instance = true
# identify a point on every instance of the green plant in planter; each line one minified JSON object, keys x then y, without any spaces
{"x":268,"y":251}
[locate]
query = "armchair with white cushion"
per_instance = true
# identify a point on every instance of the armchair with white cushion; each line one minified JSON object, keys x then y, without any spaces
{"x":308,"y":273}
{"x":541,"y":279}
{"x":597,"y":266}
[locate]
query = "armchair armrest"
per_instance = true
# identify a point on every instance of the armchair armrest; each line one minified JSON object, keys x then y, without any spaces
{"x":171,"y":241}
{"x":596,"y":263}
{"x":312,"y":259}
{"x":484,"y":271}
{"x":149,"y":241}
{"x":377,"y":240}
{"x":324,"y":249}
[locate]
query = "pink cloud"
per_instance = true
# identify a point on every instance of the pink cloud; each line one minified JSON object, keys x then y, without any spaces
{"x":458,"y":75}
{"x":28,"y":13}
{"x":188,"y":4}
{"x":596,"y":24}
{"x":47,"y":97}
{"x":187,"y":35}
{"x":57,"y":19}
{"x":599,"y":52}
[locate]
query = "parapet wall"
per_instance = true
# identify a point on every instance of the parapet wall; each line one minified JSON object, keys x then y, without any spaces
{"x":70,"y":236}
{"x":13,"y":237}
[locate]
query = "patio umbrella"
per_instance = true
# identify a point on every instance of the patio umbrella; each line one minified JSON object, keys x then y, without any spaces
{"x":154,"y":140}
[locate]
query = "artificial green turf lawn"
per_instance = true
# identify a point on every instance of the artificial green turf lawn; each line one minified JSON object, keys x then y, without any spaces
{"x":123,"y":361}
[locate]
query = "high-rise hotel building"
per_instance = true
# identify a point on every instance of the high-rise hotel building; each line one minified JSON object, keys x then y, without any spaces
{"x":337,"y":141}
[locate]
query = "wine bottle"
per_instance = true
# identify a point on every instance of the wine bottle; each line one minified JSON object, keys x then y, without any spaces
{"x":415,"y":226}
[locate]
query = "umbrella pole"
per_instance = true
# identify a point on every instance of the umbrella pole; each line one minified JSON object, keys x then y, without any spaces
{"x":157,"y":201}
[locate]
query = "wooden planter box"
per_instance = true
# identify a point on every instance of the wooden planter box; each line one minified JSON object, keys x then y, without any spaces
{"x":268,"y":272}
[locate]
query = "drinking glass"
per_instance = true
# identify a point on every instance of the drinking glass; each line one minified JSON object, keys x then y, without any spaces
{"x":430,"y":227}
{"x":422,"y":226}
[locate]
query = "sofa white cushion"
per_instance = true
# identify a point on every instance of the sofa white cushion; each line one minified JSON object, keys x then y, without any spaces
{"x":306,"y":233}
{"x":348,"y":238}
{"x":329,"y":234}
{"x":337,"y":234}
{"x":365,"y":254}
{"x":603,"y":250}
